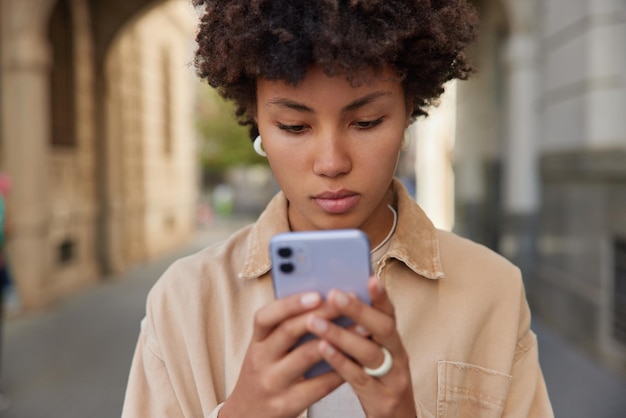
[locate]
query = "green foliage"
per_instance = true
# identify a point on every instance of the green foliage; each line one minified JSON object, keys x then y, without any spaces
{"x":223,"y":142}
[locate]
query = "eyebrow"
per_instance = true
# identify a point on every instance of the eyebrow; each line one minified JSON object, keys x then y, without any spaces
{"x":358,"y":103}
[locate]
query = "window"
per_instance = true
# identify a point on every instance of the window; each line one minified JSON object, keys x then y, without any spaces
{"x":61,"y":35}
{"x":619,"y":291}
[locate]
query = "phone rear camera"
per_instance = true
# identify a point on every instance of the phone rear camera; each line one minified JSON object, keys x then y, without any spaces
{"x":286,"y":267}
{"x":285,"y":252}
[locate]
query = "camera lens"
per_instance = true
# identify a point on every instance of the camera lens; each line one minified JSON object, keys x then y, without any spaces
{"x":285,"y":252}
{"x":286,"y":267}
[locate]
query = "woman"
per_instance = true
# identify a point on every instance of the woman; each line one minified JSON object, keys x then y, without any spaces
{"x":328,"y":89}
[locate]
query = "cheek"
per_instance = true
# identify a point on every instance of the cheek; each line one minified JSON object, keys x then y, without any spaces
{"x":286,"y":166}
{"x":384,"y":157}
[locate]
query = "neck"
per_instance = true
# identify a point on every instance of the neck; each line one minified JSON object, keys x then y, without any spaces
{"x":378,"y":226}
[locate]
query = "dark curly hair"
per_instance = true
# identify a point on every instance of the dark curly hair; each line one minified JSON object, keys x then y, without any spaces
{"x":425,"y":41}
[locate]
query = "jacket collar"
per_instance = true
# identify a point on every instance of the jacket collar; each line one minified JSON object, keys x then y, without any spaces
{"x":414,"y":243}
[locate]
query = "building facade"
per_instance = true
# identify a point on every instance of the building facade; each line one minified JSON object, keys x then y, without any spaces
{"x":579,"y":283}
{"x":97,"y":134}
{"x":530,"y":158}
{"x":539,"y":160}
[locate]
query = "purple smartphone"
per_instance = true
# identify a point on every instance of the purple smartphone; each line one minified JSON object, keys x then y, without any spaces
{"x":320,"y":261}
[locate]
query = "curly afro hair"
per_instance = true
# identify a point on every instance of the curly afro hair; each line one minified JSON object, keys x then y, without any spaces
{"x":425,"y":41}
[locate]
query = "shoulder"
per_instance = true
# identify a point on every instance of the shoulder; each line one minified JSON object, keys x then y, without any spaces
{"x":463,"y":259}
{"x":458,"y":250}
{"x":205,"y":273}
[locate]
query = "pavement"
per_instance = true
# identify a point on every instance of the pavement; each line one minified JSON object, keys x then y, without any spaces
{"x":72,"y":360}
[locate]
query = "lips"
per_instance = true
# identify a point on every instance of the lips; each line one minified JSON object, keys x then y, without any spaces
{"x":337,"y":202}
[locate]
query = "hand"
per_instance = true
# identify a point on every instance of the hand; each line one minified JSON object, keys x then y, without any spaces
{"x":348,"y":352}
{"x":271,"y":382}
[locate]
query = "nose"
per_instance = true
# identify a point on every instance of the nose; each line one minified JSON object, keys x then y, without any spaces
{"x":332,"y":156}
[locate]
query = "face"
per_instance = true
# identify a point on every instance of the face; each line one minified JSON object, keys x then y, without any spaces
{"x":333,"y":148}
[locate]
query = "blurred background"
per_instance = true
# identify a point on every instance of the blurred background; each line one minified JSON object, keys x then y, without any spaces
{"x":115,"y":159}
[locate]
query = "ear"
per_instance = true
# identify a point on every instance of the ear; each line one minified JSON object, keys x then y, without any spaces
{"x":409,"y":112}
{"x":408,"y":121}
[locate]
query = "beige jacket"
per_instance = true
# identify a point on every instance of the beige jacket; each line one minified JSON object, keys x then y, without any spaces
{"x":461,"y":312}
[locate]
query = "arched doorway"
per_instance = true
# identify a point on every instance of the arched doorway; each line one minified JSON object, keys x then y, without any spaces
{"x":54,"y":139}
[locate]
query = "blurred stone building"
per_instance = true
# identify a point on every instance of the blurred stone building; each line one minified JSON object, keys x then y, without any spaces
{"x":534,"y":151}
{"x":97,"y":134}
{"x":528,"y":157}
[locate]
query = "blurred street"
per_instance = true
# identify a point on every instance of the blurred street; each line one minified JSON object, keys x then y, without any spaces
{"x":72,"y":361}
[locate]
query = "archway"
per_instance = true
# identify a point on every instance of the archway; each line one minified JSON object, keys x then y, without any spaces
{"x":54,"y":135}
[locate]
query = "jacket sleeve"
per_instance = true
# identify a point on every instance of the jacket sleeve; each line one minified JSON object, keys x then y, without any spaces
{"x":528,"y":396}
{"x":150,"y":392}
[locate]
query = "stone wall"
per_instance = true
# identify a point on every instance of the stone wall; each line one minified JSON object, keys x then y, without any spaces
{"x":102,"y":162}
{"x":73,"y":208}
{"x":583,"y":217}
{"x":151,"y":141}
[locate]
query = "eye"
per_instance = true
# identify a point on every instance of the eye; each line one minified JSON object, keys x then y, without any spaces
{"x":368,"y":124}
{"x":292,"y":129}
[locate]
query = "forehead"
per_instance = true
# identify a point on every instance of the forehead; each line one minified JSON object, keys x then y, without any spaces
{"x":317,"y":85}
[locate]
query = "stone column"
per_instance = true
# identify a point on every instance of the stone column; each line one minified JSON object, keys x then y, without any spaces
{"x":520,"y":178}
{"x":474,"y":123}
{"x":605,"y":99}
{"x":25,"y":129}
{"x":520,"y":189}
{"x":433,"y":165}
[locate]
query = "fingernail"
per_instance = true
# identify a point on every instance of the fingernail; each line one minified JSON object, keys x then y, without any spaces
{"x":309,"y":300}
{"x":317,"y":324}
{"x":361,"y":331}
{"x":341,"y":299}
{"x":328,"y":349}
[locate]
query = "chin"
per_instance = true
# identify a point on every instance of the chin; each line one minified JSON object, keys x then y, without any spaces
{"x":343,"y":221}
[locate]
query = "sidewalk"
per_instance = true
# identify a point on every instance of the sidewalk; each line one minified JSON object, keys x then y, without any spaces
{"x":578,"y":387}
{"x":73,"y":361}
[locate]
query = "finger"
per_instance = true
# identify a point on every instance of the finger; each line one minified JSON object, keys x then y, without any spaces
{"x":309,"y":391}
{"x":299,"y":360}
{"x":271,"y":315}
{"x":360,"y":330}
{"x":291,"y":332}
{"x":376,"y":394}
{"x":381,"y":324}
{"x":364,"y":351}
{"x":292,"y":329}
{"x":346,"y":368}
{"x":294,"y":332}
{"x":379,"y":297}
